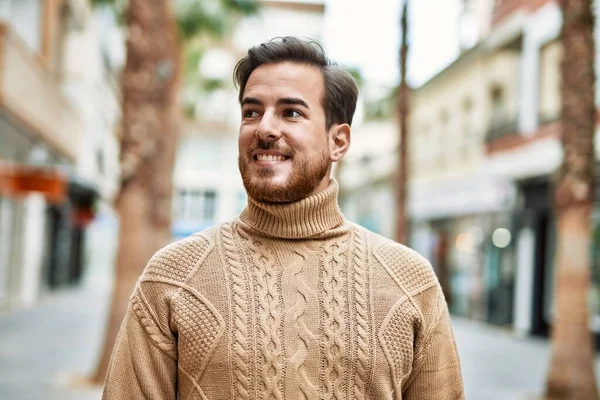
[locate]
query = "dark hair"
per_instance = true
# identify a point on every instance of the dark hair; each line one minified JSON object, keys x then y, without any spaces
{"x":341,"y":91}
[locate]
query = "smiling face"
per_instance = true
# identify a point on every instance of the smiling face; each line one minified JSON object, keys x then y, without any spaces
{"x":285,"y":151}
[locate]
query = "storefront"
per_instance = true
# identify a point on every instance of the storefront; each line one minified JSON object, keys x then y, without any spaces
{"x":537,"y":219}
{"x":30,"y":182}
{"x":43,"y":216}
{"x":473,"y":256}
{"x":466,"y":229}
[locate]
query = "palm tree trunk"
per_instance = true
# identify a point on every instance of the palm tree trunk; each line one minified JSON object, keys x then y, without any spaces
{"x":571,"y":373}
{"x":402,"y":179}
{"x":441,"y":265}
{"x":149,"y":83}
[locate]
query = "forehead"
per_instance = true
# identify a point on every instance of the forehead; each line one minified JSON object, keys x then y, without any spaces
{"x":286,"y":79}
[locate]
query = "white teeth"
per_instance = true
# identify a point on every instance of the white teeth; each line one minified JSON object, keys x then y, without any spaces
{"x":269,"y":157}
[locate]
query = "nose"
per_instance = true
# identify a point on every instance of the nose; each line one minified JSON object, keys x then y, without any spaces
{"x":268,"y":129}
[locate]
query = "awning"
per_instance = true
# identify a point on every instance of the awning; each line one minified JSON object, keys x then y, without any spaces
{"x":452,"y":198}
{"x":21,"y":180}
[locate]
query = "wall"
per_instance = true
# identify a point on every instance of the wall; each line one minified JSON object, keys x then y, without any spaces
{"x":25,"y":16}
{"x":550,"y":100}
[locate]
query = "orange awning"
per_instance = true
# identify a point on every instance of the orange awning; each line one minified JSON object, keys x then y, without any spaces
{"x":20,"y":180}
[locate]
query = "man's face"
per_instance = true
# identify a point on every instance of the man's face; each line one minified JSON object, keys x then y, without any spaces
{"x":284,"y":151}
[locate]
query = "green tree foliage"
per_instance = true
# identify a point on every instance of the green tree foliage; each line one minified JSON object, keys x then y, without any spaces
{"x":198,"y":21}
{"x":198,"y":17}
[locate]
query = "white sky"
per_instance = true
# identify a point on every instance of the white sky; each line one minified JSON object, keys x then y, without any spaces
{"x":365,"y":33}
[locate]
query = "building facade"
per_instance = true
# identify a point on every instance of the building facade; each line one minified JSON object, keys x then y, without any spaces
{"x":57,"y":145}
{"x":484,"y":147}
{"x":207,"y":185}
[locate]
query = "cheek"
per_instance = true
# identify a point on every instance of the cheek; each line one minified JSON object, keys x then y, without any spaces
{"x":308,"y":140}
{"x":245,"y":138}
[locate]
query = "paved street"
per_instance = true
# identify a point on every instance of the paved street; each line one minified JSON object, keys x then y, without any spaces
{"x":496,"y":365}
{"x":43,"y":350}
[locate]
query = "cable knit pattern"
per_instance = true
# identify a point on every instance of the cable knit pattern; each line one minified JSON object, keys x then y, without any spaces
{"x":270,"y":317}
{"x":239,"y":292}
{"x":157,"y":337}
{"x":334,"y":306}
{"x":306,"y":340}
{"x":288,"y":301}
{"x":361,"y":299}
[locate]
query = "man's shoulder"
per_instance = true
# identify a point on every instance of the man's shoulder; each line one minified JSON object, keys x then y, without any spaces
{"x":177,"y":260}
{"x":407,"y":267}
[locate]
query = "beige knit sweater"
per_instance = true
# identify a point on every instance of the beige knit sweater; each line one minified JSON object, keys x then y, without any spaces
{"x":286,"y":302}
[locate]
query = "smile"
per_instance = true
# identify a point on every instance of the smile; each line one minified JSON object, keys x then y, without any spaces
{"x":269,"y":157}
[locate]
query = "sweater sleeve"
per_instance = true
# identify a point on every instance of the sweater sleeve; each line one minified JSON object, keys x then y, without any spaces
{"x":143,"y":364}
{"x":438,"y":375}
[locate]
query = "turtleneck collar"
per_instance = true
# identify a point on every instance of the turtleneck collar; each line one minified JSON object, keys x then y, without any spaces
{"x":306,"y":218}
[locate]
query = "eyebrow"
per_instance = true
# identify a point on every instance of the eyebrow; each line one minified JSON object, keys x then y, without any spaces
{"x":285,"y":100}
{"x":293,"y":101}
{"x":251,"y":100}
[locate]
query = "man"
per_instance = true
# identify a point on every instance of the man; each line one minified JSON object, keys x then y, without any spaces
{"x":290,"y":300}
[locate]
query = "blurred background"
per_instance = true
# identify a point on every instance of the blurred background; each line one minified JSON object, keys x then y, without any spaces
{"x":82,"y":129}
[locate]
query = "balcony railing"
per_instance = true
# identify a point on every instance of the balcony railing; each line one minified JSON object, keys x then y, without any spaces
{"x":32,"y":97}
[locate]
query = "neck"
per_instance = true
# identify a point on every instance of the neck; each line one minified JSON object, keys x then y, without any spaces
{"x":309,"y":217}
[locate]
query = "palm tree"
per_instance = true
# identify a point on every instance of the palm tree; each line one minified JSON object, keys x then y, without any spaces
{"x":150,"y":82}
{"x":402,"y":104}
{"x":571,"y":373}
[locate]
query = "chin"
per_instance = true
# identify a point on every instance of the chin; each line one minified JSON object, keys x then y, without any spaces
{"x":276,"y":186}
{"x":270,"y":190}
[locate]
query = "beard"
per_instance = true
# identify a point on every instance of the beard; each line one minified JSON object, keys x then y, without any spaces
{"x":307,"y":173}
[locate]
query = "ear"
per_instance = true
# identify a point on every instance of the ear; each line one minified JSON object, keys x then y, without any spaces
{"x":339,"y":141}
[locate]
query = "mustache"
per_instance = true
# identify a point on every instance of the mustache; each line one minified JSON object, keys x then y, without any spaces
{"x":262,"y":144}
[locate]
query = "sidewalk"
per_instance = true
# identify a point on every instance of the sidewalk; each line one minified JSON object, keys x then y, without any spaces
{"x":43,"y":348}
{"x":497,"y":365}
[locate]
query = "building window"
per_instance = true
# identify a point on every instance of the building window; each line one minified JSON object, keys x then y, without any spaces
{"x":549,"y":84}
{"x":195,"y":205}
{"x":210,"y":200}
{"x":467,"y":136}
{"x":498,"y":111}
{"x":500,"y":123}
{"x":100,"y":163}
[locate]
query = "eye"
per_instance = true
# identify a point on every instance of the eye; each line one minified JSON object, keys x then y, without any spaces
{"x":292,"y":113}
{"x":250,"y":114}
